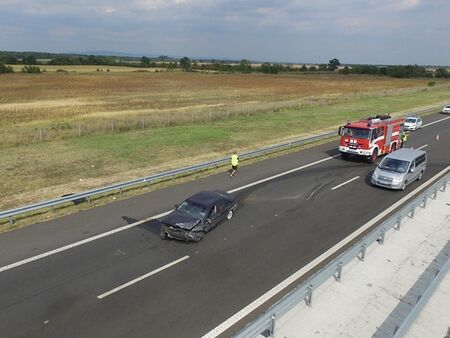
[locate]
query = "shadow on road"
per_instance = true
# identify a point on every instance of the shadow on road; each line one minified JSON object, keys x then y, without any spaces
{"x":153,"y":226}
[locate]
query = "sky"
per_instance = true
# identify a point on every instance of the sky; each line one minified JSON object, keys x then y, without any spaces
{"x":299,"y":31}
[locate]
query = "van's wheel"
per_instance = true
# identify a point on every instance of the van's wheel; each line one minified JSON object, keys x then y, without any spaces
{"x":403,"y":186}
{"x":374,"y":156}
{"x":230,"y":214}
{"x":163,"y":234}
{"x":420,"y":176}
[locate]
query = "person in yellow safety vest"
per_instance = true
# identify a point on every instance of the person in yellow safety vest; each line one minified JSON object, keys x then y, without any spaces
{"x":234,"y":164}
{"x":404,"y":137}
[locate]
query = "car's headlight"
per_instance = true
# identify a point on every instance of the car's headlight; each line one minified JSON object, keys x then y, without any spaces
{"x":375,"y":175}
{"x":397,"y":179}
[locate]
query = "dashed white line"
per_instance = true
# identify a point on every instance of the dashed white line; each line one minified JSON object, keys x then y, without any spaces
{"x":125,"y":227}
{"x":431,"y":123}
{"x":134,"y":281}
{"x":425,"y":145}
{"x":340,"y":185}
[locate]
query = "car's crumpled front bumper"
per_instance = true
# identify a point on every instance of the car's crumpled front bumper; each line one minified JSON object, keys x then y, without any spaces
{"x":181,"y":234}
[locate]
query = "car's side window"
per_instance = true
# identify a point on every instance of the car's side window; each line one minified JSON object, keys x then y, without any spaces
{"x":221,"y":206}
{"x":213,"y":212}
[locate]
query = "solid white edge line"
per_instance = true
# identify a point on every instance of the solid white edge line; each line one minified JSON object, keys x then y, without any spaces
{"x":425,"y":145}
{"x":134,"y":281}
{"x":340,"y":185}
{"x":93,"y":238}
{"x":437,"y":121}
{"x":291,"y":279}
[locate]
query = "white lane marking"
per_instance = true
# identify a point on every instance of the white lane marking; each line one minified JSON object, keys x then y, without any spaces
{"x":282,"y":174}
{"x":134,"y":281}
{"x":93,"y":238}
{"x":73,"y":245}
{"x":291,"y":279}
{"x":431,"y":123}
{"x":340,"y":185}
{"x":425,"y":145}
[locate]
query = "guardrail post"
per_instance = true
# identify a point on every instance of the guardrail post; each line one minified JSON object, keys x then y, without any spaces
{"x":434,"y":195}
{"x":413,"y":209}
{"x":308,"y":296}
{"x":424,"y":201}
{"x":11,"y":220}
{"x":363,"y":252}
{"x":444,"y":186}
{"x":121,"y":192}
{"x":272,"y":325}
{"x":382,"y":235}
{"x":339,"y":271}
{"x":399,"y":222}
{"x":89,"y":200}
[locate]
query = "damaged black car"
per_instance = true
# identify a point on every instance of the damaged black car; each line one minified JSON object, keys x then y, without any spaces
{"x":197,"y":215}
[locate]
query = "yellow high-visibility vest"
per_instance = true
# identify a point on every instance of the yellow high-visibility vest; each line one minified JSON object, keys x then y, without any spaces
{"x":234,"y":160}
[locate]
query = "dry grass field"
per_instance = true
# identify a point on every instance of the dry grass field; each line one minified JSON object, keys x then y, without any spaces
{"x":68,"y":132}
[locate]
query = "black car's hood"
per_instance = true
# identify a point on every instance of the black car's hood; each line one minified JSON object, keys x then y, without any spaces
{"x":180,"y":220}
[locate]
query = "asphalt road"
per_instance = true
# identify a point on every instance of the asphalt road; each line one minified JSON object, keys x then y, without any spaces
{"x":281,"y":225}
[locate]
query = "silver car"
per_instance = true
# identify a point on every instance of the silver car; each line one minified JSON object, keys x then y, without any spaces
{"x":412,"y":123}
{"x":400,"y":168}
{"x":446,"y":109}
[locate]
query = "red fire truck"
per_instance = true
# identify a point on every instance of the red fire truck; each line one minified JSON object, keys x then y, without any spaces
{"x":371,"y":137}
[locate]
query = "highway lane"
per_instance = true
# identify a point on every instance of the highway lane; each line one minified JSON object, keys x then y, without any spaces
{"x":282,"y":225}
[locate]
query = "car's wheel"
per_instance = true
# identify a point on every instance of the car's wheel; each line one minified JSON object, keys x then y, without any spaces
{"x":403,"y":186}
{"x":374,"y":156}
{"x":163,"y":233}
{"x":393,"y":147}
{"x":420,"y":176}
{"x":230,"y":214}
{"x":199,"y":236}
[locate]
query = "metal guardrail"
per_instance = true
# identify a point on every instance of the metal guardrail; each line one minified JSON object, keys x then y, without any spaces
{"x":88,"y":195}
{"x":265,"y":324}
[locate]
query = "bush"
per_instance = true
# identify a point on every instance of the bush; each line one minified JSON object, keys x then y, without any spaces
{"x":431,"y":84}
{"x":31,"y":69}
{"x":5,"y":68}
{"x":441,"y":73}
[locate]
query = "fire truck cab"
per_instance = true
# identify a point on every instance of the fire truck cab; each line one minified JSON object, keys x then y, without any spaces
{"x":371,"y":137}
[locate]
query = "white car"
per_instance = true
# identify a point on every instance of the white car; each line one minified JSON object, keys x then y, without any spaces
{"x":446,"y":109}
{"x":412,"y":123}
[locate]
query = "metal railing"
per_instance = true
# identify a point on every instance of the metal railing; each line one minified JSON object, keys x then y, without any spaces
{"x":265,"y":324}
{"x":88,"y":195}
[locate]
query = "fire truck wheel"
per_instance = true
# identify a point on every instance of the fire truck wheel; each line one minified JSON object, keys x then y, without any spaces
{"x":394,"y":147}
{"x":374,"y":156}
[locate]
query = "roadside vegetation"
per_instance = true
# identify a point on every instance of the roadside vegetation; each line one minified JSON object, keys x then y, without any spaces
{"x":68,"y":132}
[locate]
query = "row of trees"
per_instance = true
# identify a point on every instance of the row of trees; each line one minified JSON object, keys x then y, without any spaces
{"x":396,"y":71}
{"x":26,"y":69}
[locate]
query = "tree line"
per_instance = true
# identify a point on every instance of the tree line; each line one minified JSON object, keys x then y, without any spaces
{"x":32,"y":60}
